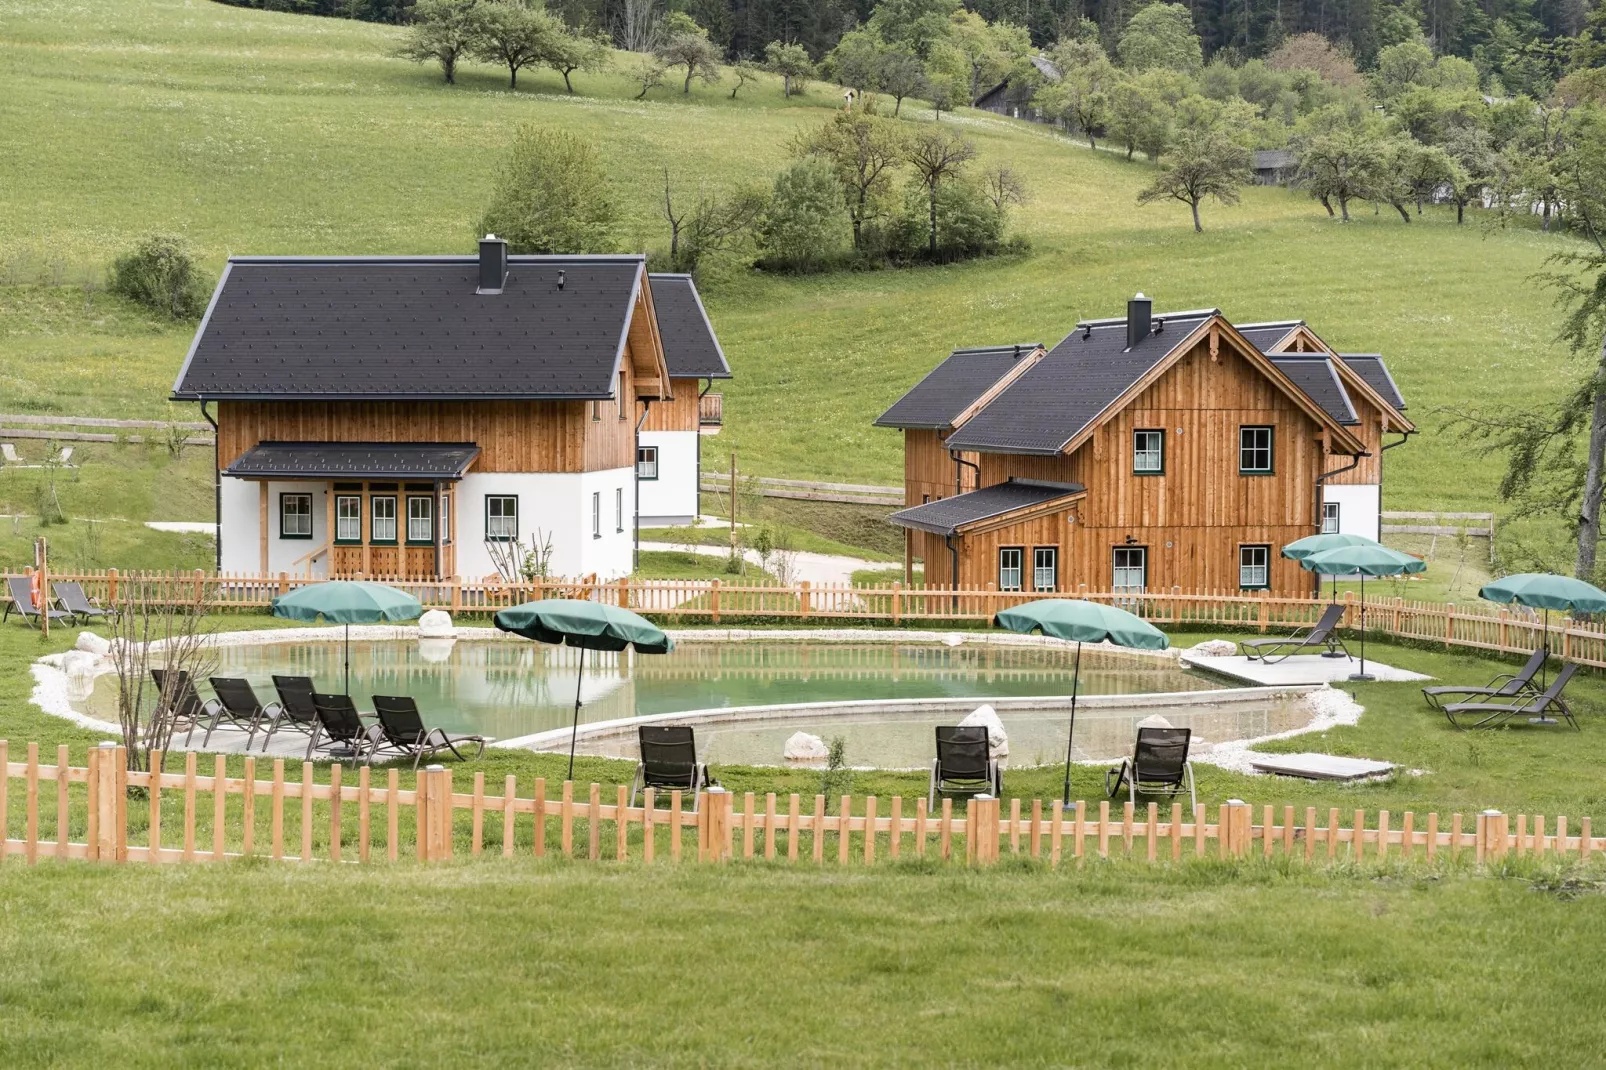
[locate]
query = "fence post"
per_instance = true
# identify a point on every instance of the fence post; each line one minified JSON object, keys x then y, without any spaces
{"x":1449,"y":623}
{"x":284,"y":583}
{"x":110,"y":836}
{"x":713,"y":823}
{"x":983,"y":830}
{"x":713,"y":600}
{"x":1566,"y":638}
{"x":803,"y":597}
{"x":1236,"y":827}
{"x":1262,"y":600}
{"x":1487,"y":835}
{"x":457,"y":594}
{"x":111,"y":587}
{"x":437,"y":817}
{"x":897,"y":601}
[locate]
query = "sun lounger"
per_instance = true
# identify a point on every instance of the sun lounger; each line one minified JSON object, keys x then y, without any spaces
{"x":964,"y":763}
{"x":1506,"y":685}
{"x":177,"y":698}
{"x":339,"y":724}
{"x":71,"y":597}
{"x":21,"y":601}
{"x":1535,"y":707}
{"x":8,"y":453}
{"x":668,"y":760}
{"x":1323,"y":635}
{"x":402,"y":732}
{"x":237,"y":703}
{"x":294,"y":710}
{"x":1159,"y":766}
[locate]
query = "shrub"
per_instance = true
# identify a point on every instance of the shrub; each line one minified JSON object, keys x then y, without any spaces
{"x":968,"y":223}
{"x":804,"y":227}
{"x":161,"y":274}
{"x":553,"y":196}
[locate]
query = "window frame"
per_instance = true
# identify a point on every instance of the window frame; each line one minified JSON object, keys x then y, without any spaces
{"x":429,"y":502}
{"x":1271,"y":449}
{"x":1053,"y":567}
{"x":514,"y":498}
{"x":1143,"y":552}
{"x":1338,"y":518}
{"x":622,"y":413}
{"x":1020,"y":568}
{"x":640,"y":474}
{"x":285,"y":497}
{"x":443,"y":516}
{"x":374,"y":520}
{"x":1265,"y":551}
{"x":618,"y":510}
{"x":1160,"y":471}
{"x":596,"y":514}
{"x":355,"y":540}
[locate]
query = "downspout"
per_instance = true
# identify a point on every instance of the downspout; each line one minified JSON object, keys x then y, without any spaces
{"x":217,"y":494}
{"x":697,"y":506}
{"x":1355,"y":461}
{"x":959,"y":485}
{"x":953,"y":552}
{"x":635,"y":470}
{"x":1404,"y":437}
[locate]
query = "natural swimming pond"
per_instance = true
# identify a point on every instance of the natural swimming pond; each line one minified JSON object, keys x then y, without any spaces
{"x":508,"y":689}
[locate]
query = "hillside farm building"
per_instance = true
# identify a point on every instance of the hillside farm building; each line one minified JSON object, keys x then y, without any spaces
{"x":1142,"y":452}
{"x":398,"y":416}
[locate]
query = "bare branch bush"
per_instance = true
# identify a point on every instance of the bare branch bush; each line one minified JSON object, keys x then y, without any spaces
{"x":156,"y":625}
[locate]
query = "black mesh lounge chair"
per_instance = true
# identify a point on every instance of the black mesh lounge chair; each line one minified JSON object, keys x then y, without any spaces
{"x":236,"y":703}
{"x":1506,"y":685}
{"x":175,"y":693}
{"x":1490,"y":714}
{"x":964,"y":763}
{"x":21,"y":601}
{"x":1325,"y":634}
{"x":71,"y":595}
{"x":339,"y":724}
{"x":402,"y":732}
{"x":1159,"y":766}
{"x":668,"y":760}
{"x":294,"y":709}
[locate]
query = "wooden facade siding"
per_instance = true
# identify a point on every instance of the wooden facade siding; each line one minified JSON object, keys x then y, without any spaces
{"x":928,"y":468}
{"x":682,"y":413}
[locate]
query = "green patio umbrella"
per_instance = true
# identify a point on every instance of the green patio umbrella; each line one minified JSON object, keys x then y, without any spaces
{"x":1081,"y":622}
{"x":1546,"y":591}
{"x":347,"y":602}
{"x":587,"y":625}
{"x":1373,"y":560}
{"x":1300,"y":549}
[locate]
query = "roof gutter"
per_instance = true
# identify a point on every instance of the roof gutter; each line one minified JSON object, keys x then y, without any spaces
{"x":635,"y":472}
{"x":217,"y":491}
{"x":959,"y":479}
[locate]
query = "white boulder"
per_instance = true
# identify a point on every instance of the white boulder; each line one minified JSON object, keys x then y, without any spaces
{"x":1213,"y":648}
{"x":997,"y":738}
{"x":436,"y":624}
{"x":93,"y":644}
{"x":1154,"y":720}
{"x":802,"y":747}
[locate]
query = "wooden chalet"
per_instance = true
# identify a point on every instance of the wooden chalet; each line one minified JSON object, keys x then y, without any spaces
{"x":398,"y":416}
{"x":1148,"y":451}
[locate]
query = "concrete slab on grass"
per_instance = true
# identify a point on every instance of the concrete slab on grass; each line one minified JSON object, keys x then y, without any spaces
{"x":1299,"y":669}
{"x":1319,"y":766}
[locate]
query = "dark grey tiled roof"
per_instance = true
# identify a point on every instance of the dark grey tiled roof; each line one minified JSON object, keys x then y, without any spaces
{"x":690,"y":348}
{"x":1265,"y":335}
{"x":1271,"y":159}
{"x":952,"y":387}
{"x":950,"y":514}
{"x":355,"y":460}
{"x":412,"y":327}
{"x":1314,"y":374}
{"x":1370,"y":366}
{"x":1065,"y":391}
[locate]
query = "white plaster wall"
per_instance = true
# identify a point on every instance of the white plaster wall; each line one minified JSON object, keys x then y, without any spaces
{"x":241,"y":549}
{"x":559,"y":505}
{"x":1359,"y":507}
{"x":672,"y":497}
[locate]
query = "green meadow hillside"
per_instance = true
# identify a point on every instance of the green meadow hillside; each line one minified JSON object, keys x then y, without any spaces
{"x":251,"y":132}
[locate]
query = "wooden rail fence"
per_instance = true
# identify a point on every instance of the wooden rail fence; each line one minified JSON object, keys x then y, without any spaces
{"x":291,"y":819}
{"x":1478,"y":626}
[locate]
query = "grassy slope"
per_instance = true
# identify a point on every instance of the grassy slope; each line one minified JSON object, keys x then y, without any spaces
{"x":519,"y":962}
{"x":264,"y":133}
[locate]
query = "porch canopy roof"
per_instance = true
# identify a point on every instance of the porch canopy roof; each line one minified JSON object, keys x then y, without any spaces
{"x":432,"y":461}
{"x":951,"y":515}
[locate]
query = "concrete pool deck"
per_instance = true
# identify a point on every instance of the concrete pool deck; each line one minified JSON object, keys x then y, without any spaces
{"x":1297,"y":670}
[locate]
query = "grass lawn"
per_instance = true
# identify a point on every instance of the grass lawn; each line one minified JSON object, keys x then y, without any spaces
{"x":586,"y":965}
{"x":258,"y":132}
{"x":682,"y":565}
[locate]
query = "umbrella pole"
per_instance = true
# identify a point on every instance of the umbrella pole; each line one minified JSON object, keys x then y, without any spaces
{"x":348,"y":658}
{"x":1362,"y":674}
{"x":574,"y":732}
{"x":1076,"y":680}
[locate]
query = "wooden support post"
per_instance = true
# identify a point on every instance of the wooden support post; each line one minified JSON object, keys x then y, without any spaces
{"x":438,"y":814}
{"x":1237,"y":826}
{"x":110,"y":836}
{"x":985,"y":830}
{"x":713,"y":825}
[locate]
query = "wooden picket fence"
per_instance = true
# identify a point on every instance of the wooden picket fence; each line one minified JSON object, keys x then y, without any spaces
{"x":1477,"y":626}
{"x":364,"y":822}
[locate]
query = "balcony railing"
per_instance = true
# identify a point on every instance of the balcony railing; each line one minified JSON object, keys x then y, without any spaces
{"x":711,"y":410}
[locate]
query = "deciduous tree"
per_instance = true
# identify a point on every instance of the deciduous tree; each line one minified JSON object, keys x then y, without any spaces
{"x":686,"y":44}
{"x":573,"y":50}
{"x":1203,"y":163}
{"x":442,"y":31}
{"x":864,"y":151}
{"x":936,"y":155}
{"x":553,"y":196}
{"x":792,"y":63}
{"x":513,"y":35}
